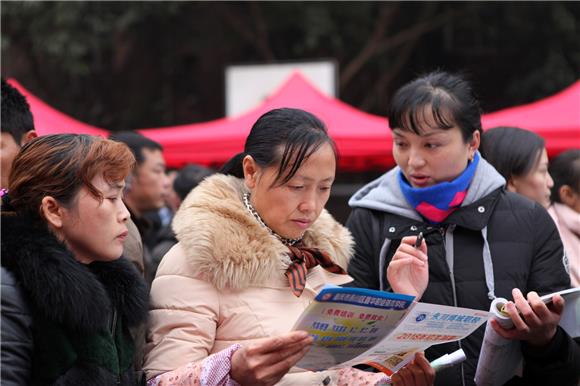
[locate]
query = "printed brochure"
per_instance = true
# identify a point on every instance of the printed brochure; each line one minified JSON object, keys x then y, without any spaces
{"x":361,"y":326}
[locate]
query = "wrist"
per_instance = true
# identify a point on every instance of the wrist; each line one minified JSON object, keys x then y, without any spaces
{"x":543,"y":340}
{"x":218,"y":367}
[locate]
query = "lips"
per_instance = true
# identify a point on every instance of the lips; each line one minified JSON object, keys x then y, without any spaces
{"x":123,"y":235}
{"x":419,"y":180}
{"x":302,"y":223}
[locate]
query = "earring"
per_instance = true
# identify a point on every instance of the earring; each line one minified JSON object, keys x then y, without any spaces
{"x":471,"y":157}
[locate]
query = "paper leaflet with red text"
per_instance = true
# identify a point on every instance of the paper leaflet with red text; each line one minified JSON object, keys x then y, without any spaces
{"x":360,"y":326}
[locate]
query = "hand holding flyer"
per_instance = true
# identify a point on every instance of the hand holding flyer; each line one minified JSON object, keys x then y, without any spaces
{"x":500,"y":358}
{"x":360,"y":326}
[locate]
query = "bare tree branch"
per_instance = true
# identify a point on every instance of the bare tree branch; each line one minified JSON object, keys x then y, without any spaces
{"x":416,"y":31}
{"x":377,"y":94}
{"x":236,"y":22}
{"x":261,"y":35}
{"x":374,"y":48}
{"x":259,"y":38}
{"x":385,"y":14}
{"x":381,"y":85}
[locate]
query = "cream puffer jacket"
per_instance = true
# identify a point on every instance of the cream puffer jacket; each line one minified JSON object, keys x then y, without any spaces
{"x":224,"y":282}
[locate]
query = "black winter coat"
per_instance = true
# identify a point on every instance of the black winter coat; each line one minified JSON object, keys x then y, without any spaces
{"x":526,"y":253}
{"x":63,"y":322}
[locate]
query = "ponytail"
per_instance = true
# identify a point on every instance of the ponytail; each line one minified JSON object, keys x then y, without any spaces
{"x":234,"y":166}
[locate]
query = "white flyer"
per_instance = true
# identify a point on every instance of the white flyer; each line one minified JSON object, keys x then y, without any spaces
{"x":381,"y":329}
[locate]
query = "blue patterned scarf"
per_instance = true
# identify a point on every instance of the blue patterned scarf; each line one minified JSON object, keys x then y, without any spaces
{"x":438,"y":201}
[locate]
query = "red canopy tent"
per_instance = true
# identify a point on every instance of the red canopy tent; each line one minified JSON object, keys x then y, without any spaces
{"x":363,"y":140}
{"x":48,"y":120}
{"x":555,"y":118}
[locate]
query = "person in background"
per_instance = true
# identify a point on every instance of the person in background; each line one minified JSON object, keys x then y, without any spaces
{"x":222,"y":303}
{"x":68,"y":298}
{"x":481,"y":241}
{"x":184,"y":181}
{"x":187,"y":179}
{"x":565,"y":208}
{"x":146,"y":188}
{"x":520,"y":157}
{"x":16,"y":126}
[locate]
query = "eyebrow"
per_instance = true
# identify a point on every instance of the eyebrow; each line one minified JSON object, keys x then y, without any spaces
{"x":116,"y":186}
{"x":431,"y":134}
{"x":308,"y":179}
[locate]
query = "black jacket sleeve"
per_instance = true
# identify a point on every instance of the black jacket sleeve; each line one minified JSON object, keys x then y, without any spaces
{"x":556,"y":364}
{"x":548,"y":272}
{"x":559,"y":363}
{"x":364,"y":265}
{"x":17,"y":341}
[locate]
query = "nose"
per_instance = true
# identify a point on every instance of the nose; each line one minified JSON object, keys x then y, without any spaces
{"x":165,"y":181}
{"x":308,"y":203}
{"x":550,"y":181}
{"x":416,"y":159}
{"x":124,"y":214}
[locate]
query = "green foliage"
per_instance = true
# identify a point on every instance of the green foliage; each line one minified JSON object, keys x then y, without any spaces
{"x":126,"y":65}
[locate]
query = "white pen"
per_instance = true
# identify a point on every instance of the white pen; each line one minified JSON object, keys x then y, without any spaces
{"x":448,"y":360}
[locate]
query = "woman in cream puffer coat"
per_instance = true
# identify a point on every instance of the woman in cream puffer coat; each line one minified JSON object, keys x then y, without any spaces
{"x":222,"y":305}
{"x":214,"y":289}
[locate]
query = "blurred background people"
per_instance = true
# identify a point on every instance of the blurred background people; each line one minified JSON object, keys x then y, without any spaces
{"x":183,"y":182}
{"x":146,"y":188}
{"x":17,"y":128}
{"x":68,"y":298}
{"x":520,"y":157}
{"x":565,"y":208}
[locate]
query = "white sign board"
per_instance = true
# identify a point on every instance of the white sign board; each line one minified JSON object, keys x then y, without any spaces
{"x":248,"y":85}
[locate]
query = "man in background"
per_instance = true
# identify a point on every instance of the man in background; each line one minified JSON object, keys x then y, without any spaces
{"x":185,"y":180}
{"x":17,"y":128}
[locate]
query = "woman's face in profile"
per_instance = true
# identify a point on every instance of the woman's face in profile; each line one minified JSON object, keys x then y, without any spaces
{"x":291,"y":208}
{"x":433,"y":157}
{"x":536,"y":184}
{"x":96,"y":230}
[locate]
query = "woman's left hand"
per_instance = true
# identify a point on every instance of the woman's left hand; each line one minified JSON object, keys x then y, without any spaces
{"x":534,"y":321}
{"x":417,"y":373}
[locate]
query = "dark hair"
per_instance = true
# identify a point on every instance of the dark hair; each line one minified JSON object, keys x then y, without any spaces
{"x":59,"y":165}
{"x":511,"y":151}
{"x":284,"y":137}
{"x":450,"y":97}
{"x":188,"y":178}
{"x":136,"y":143}
{"x":565,"y":170}
{"x":16,"y":116}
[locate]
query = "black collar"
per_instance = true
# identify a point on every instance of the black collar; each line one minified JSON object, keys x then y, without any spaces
{"x":60,"y":288}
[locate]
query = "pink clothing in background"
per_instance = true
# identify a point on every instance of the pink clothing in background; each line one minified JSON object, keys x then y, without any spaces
{"x":568,"y":222}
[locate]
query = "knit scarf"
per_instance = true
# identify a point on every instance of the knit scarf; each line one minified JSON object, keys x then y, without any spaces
{"x":302,"y":260}
{"x":435,"y":203}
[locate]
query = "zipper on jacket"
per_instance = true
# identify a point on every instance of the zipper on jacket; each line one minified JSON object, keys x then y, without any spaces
{"x":444,"y":231}
{"x":113,"y":329}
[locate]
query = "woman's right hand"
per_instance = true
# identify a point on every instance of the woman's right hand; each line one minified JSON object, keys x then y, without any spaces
{"x":265,"y":361}
{"x":408,"y":271}
{"x":417,"y":373}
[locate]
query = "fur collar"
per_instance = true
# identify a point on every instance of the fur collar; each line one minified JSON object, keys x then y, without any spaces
{"x":63,"y":290}
{"x":225,"y":244}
